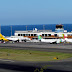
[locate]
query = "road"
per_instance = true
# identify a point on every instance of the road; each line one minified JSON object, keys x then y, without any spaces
{"x":51,"y":66}
{"x":67,"y":48}
{"x":17,"y":66}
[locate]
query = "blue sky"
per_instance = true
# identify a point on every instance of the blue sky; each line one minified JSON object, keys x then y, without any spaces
{"x":22,"y":12}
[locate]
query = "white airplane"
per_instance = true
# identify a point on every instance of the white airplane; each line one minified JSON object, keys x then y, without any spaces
{"x":17,"y":38}
{"x":50,"y":40}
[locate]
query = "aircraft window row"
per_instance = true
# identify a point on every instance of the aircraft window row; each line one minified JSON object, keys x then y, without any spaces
{"x":69,"y":35}
{"x":50,"y":38}
{"x":36,"y":35}
{"x":48,"y":34}
{"x":27,"y":34}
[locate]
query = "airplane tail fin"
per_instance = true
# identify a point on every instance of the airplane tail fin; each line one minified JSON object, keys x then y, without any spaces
{"x":2,"y":37}
{"x":64,"y":36}
{"x":39,"y":37}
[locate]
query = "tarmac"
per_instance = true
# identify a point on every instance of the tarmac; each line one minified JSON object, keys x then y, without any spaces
{"x":63,"y":47}
{"x":50,"y":66}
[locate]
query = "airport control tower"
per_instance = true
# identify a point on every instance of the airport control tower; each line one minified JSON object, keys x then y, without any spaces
{"x":59,"y":28}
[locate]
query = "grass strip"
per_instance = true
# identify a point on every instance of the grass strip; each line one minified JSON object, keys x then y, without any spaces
{"x":29,"y":55}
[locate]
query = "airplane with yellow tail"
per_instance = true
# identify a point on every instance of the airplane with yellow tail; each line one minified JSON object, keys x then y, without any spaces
{"x":13,"y":39}
{"x":2,"y":38}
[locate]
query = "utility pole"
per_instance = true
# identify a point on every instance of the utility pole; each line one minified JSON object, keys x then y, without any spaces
{"x":26,"y":28}
{"x":0,"y":28}
{"x":43,"y":27}
{"x":44,"y":30}
{"x":11,"y":30}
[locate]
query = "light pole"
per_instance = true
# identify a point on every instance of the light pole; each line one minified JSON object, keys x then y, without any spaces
{"x":44,"y":30}
{"x":11,"y":30}
{"x":0,"y":28}
{"x":43,"y":27}
{"x":26,"y":28}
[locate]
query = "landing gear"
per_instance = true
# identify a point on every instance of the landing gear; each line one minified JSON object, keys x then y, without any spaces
{"x":25,"y":40}
{"x":53,"y":43}
{"x":2,"y":41}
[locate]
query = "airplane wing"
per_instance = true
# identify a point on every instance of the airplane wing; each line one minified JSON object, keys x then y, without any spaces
{"x":12,"y":39}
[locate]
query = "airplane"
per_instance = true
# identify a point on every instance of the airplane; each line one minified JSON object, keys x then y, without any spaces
{"x":51,"y":40}
{"x":6,"y":39}
{"x":13,"y":38}
{"x":17,"y":38}
{"x":46,"y":40}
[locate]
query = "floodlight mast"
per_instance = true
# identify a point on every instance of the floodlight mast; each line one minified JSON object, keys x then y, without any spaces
{"x":0,"y":28}
{"x":11,"y":30}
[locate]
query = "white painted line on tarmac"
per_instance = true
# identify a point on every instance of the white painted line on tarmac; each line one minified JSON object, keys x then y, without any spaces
{"x":7,"y":60}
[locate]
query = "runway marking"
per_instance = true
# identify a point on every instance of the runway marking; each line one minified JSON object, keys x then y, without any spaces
{"x":7,"y":60}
